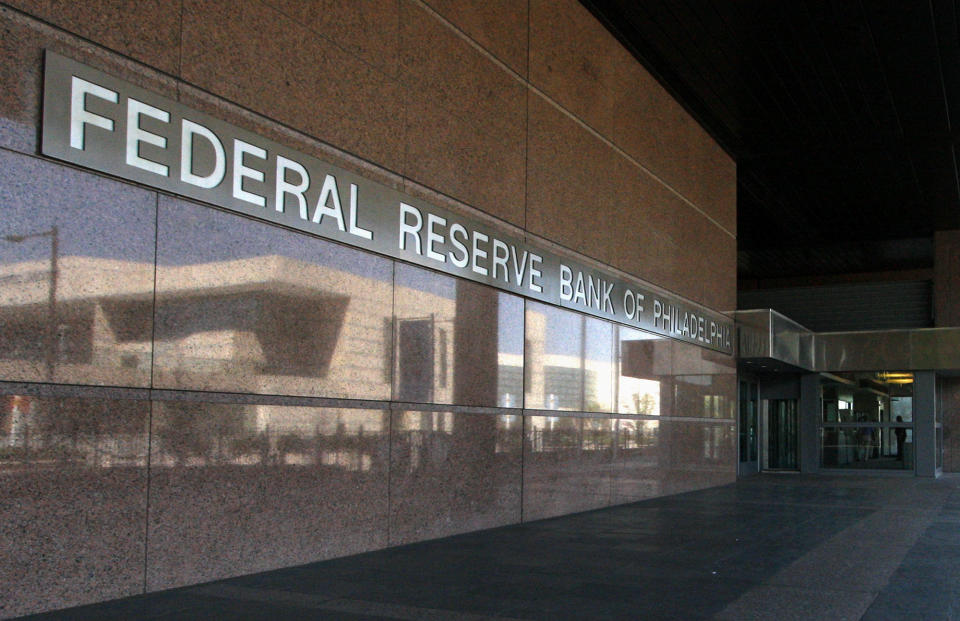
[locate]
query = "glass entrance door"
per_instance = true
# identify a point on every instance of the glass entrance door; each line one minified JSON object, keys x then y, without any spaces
{"x":867,"y":421}
{"x":749,"y":429}
{"x":783,"y":435}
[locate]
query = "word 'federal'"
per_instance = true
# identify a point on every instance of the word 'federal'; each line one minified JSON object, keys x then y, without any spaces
{"x":249,"y":162}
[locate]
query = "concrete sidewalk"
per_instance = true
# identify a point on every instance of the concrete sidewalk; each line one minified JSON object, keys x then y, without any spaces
{"x":770,"y":547}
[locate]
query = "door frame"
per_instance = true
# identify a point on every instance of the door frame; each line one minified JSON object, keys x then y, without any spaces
{"x":749,"y":468}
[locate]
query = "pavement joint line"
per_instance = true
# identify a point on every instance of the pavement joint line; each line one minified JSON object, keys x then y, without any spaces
{"x":339,"y":604}
{"x":268,"y":596}
{"x":401,"y":611}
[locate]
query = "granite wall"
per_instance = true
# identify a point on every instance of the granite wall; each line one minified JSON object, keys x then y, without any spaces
{"x":946,"y":306}
{"x":948,"y":414}
{"x":186,"y":394}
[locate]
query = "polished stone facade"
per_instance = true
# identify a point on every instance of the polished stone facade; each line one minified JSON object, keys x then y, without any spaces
{"x":188,"y":394}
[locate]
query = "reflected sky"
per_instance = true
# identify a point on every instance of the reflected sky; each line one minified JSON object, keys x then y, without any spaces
{"x":510,"y":324}
{"x":97,"y":217}
{"x":599,"y":340}
{"x":565,"y":330}
{"x":631,"y":334}
{"x":426,"y":281}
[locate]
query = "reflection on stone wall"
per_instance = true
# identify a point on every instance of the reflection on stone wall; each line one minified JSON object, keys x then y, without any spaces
{"x":240,"y":488}
{"x":262,"y":486}
{"x":574,"y":464}
{"x":76,"y":276}
{"x":457,"y":342}
{"x":247,"y":307}
{"x":453,"y":473}
{"x":701,"y":454}
{"x":73,"y":500}
{"x":569,"y":465}
{"x":242,"y":306}
{"x":639,"y":468}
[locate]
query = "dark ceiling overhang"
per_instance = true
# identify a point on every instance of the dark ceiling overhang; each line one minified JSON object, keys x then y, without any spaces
{"x":842,"y":117}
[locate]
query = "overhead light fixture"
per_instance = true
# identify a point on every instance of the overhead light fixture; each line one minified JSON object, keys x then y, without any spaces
{"x":895,"y":378}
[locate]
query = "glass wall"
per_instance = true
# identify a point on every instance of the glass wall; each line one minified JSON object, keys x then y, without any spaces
{"x":867,"y":421}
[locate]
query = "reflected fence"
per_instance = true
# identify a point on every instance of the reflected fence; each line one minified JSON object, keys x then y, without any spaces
{"x":274,"y":445}
{"x":27,"y":446}
{"x":281,"y":447}
{"x":82,"y":433}
{"x":41,"y":434}
{"x":624,"y":435}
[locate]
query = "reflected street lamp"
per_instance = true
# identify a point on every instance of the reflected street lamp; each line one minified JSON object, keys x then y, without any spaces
{"x":51,"y":332}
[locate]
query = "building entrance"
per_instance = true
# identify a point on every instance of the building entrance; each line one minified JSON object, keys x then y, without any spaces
{"x":867,"y":421}
{"x":782,"y":438}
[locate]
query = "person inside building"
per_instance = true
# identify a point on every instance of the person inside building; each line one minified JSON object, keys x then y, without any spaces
{"x":901,"y":434}
{"x":865,"y":444}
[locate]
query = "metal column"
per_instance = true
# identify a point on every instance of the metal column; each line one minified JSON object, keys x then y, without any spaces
{"x":809,"y":420}
{"x":925,"y":422}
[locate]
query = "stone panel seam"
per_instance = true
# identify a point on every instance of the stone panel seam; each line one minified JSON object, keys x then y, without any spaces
{"x":388,"y":518}
{"x":624,"y":416}
{"x":523,"y":461}
{"x":95,"y":391}
{"x":167,"y":394}
{"x":332,"y":41}
{"x":180,"y":44}
{"x":176,"y":82}
{"x":153,"y":349}
{"x":636,"y":163}
{"x":526,"y":131}
{"x":619,"y":469}
{"x":524,"y":375}
{"x":143,"y":394}
{"x":455,"y":408}
{"x":299,"y":135}
{"x":58,"y":390}
{"x":526,"y":83}
{"x":576,"y":255}
{"x":146,"y":512}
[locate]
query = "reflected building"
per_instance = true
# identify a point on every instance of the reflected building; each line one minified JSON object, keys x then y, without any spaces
{"x":97,"y":320}
{"x":278,"y":325}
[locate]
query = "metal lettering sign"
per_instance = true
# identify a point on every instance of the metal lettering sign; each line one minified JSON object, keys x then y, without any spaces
{"x":101,"y":122}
